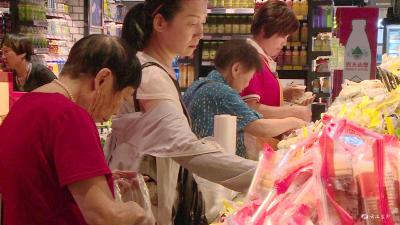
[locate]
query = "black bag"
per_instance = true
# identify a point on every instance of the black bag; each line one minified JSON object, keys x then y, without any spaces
{"x":190,"y":209}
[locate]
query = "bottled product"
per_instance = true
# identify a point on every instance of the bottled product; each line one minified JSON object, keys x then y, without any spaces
{"x":213,"y":50}
{"x":248,"y":25}
{"x":304,"y":33}
{"x":206,"y":51}
{"x":206,"y":26}
{"x":316,"y":86}
{"x":243,"y":25}
{"x":287,"y":59}
{"x":235,"y":3}
{"x":220,"y":24}
{"x":296,"y":36}
{"x":304,"y":8}
{"x":303,"y":56}
{"x":228,"y":3}
{"x":235,"y":25}
{"x":297,"y":8}
{"x":213,"y":25}
{"x":242,"y":3}
{"x":326,"y":87}
{"x":212,"y":3}
{"x":329,"y":17}
{"x":295,"y":57}
{"x":228,"y":25}
{"x":220,"y":4}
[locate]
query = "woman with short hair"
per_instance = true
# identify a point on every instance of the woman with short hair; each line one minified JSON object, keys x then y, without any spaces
{"x":52,"y":166}
{"x":18,"y":52}
{"x":273,"y":23}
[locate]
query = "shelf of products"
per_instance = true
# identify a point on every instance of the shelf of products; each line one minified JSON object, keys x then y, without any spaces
{"x":48,"y":24}
{"x":224,"y":37}
{"x":114,"y":13}
{"x":292,"y":74}
{"x":5,"y":24}
{"x":319,"y":77}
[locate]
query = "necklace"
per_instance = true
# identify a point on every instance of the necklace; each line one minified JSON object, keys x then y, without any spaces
{"x":22,"y":81}
{"x":65,"y":88}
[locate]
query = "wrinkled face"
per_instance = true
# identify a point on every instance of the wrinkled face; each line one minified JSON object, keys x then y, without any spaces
{"x":105,"y":101}
{"x":186,"y":28}
{"x":11,"y":58}
{"x":273,"y":45}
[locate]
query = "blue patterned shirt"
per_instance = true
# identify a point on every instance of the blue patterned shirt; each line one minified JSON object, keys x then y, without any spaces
{"x":216,"y":97}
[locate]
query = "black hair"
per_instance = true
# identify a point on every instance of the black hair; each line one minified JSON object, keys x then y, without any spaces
{"x":237,"y":51}
{"x":274,"y":17}
{"x":20,"y":44}
{"x":95,"y":52}
{"x":138,"y":22}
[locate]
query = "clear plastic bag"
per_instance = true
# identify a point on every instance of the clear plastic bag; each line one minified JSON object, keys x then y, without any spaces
{"x":134,"y":189}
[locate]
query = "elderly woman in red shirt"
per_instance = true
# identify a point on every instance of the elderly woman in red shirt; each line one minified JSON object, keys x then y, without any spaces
{"x":52,"y":166}
{"x":272,"y":25}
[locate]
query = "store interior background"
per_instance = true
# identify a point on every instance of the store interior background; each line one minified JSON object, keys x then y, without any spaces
{"x":55,"y":25}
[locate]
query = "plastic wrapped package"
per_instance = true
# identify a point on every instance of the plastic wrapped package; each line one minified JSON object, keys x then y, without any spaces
{"x":134,"y":189}
{"x":366,"y":195}
{"x":344,"y":175}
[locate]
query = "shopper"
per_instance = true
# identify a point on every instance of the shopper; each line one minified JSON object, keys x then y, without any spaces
{"x":52,"y":167}
{"x":272,"y":25}
{"x":18,"y":51}
{"x":161,"y":30}
{"x":219,"y":94}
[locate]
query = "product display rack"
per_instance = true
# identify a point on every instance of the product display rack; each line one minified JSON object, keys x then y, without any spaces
{"x":48,"y":24}
{"x":217,"y":17}
{"x":114,"y":13}
{"x":204,"y":66}
{"x":314,"y":30}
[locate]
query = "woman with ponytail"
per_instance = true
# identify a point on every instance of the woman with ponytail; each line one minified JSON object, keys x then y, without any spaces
{"x":152,"y":133}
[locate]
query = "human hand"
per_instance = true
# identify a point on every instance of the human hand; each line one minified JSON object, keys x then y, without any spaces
{"x":301,"y":112}
{"x":308,"y":100}
{"x":298,"y":123}
{"x":140,"y":216}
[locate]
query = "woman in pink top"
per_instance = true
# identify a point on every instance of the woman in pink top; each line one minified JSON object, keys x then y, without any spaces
{"x":271,"y":27}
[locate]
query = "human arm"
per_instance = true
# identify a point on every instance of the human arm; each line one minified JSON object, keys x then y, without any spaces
{"x":202,"y":157}
{"x":281,"y":112}
{"x":80,"y":166}
{"x":95,"y":200}
{"x":265,"y":128}
{"x":230,"y":171}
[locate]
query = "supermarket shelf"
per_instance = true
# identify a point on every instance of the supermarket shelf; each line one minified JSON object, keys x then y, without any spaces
{"x":41,"y":51}
{"x":231,"y":11}
{"x":320,"y":74}
{"x":322,"y":95}
{"x":292,"y":74}
{"x":296,"y":43}
{"x":56,"y":37}
{"x":321,"y":2}
{"x":315,"y":54}
{"x":225,"y":37}
{"x":316,"y":31}
{"x":207,"y":63}
{"x":113,"y":21}
{"x":58,"y":15}
{"x":35,"y":23}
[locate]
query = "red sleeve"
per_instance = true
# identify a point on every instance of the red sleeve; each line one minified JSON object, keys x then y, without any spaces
{"x":77,"y":150}
{"x":254,"y":90}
